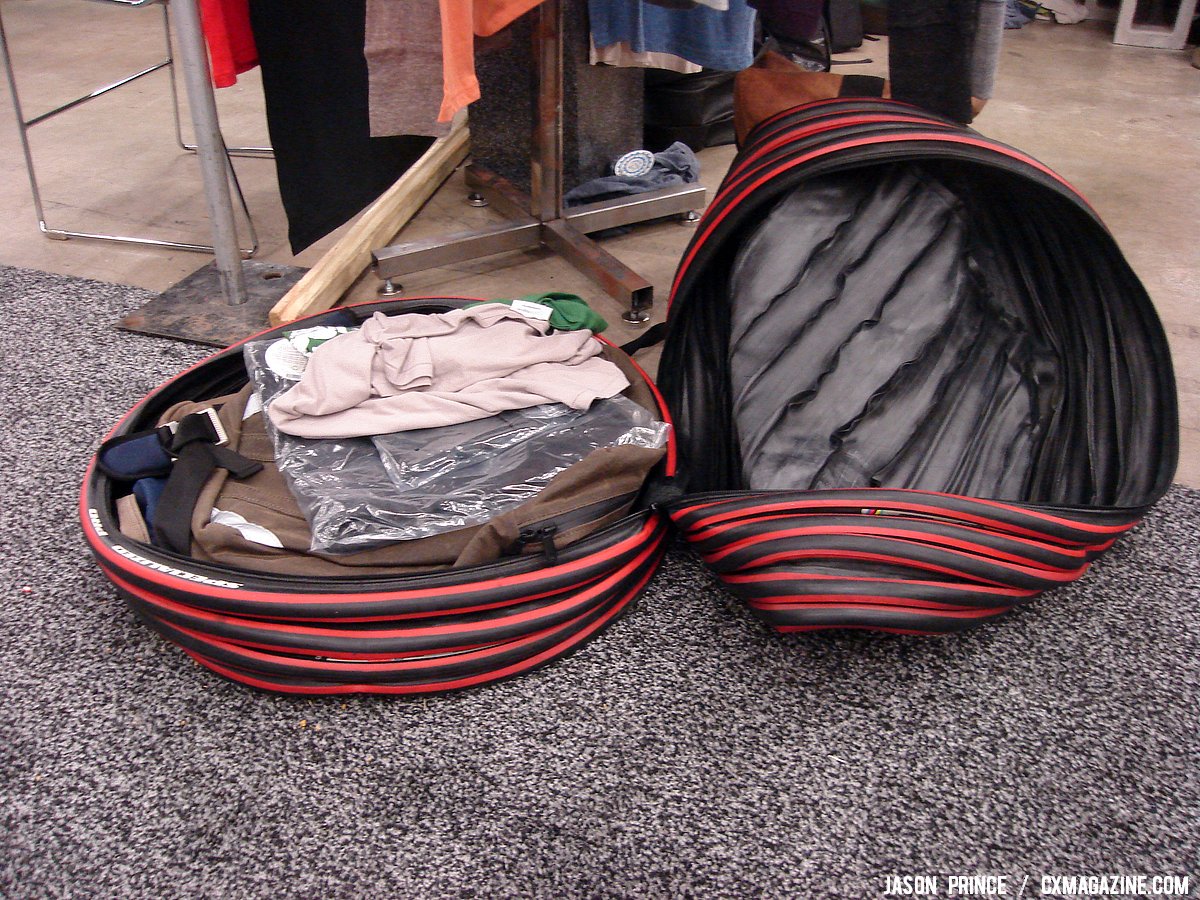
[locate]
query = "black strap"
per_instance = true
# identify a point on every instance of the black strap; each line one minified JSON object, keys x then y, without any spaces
{"x":655,"y":334}
{"x":193,"y":443}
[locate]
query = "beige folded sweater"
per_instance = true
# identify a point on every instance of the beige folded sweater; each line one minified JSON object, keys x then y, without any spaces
{"x":404,"y":372}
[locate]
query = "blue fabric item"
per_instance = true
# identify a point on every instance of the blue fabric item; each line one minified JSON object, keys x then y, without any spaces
{"x":678,"y":159}
{"x":714,"y":39}
{"x":675,"y":165}
{"x":1017,"y":14}
{"x":135,"y":456}
{"x":147,"y":491}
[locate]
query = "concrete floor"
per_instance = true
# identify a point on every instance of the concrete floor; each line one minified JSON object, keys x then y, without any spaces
{"x":1120,"y":123}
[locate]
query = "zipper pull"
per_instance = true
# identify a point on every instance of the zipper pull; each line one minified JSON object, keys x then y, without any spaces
{"x":543,"y":534}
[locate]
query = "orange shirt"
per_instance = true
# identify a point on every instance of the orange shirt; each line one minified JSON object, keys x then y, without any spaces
{"x":461,"y":21}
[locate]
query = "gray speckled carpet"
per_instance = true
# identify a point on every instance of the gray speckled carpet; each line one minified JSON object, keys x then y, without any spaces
{"x":686,"y":752}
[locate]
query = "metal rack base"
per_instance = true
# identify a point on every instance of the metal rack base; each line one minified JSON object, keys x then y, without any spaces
{"x":539,"y":219}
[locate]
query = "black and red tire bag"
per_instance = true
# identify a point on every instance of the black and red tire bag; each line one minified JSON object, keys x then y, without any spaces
{"x":914,"y":381}
{"x":397,"y":634}
{"x":957,"y":394}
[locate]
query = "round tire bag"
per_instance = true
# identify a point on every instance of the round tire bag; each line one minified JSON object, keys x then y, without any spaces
{"x":374,"y":629}
{"x":914,"y":380}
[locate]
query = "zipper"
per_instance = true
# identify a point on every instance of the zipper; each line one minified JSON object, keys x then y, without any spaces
{"x":542,"y":534}
{"x":545,"y":531}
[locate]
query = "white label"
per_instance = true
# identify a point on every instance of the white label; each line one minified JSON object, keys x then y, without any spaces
{"x":256,"y":534}
{"x":169,"y":570}
{"x":253,"y":405}
{"x":532,"y":310}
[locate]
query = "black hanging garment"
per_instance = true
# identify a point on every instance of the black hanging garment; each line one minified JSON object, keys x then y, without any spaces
{"x":930,"y":46}
{"x":315,"y":84}
{"x":914,"y":380}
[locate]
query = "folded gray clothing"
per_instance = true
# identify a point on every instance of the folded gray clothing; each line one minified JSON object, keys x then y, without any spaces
{"x":675,"y":165}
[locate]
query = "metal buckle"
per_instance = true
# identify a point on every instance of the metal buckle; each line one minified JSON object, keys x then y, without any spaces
{"x":219,"y":432}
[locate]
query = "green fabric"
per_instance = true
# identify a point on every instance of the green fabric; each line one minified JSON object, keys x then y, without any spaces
{"x":570,"y":312}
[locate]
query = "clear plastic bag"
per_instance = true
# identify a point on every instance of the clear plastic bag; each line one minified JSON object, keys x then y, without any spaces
{"x":361,"y":492}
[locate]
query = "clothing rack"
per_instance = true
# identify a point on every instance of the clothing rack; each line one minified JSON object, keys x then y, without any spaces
{"x":539,"y":219}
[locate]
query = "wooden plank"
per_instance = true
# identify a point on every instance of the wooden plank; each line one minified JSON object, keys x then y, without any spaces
{"x":323,"y":285}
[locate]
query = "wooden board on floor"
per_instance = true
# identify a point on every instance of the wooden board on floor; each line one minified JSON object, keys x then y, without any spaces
{"x":347,"y":259}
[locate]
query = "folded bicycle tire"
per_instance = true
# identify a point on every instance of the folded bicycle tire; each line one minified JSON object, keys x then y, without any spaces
{"x":914,"y":381}
{"x":400,"y":633}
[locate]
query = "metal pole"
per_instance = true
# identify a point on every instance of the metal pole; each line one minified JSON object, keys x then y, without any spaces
{"x":547,"y":156}
{"x":210,"y":149}
{"x":22,"y":130}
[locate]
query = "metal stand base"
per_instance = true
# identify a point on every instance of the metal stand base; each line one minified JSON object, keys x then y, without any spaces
{"x":195,"y":309}
{"x":566,"y":235}
{"x":540,"y":219}
{"x":390,"y":289}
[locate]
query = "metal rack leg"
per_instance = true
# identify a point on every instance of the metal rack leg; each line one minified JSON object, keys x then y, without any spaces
{"x":211,"y":151}
{"x":252,"y":152}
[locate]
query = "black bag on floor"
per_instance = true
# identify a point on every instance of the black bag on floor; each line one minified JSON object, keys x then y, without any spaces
{"x":914,"y":380}
{"x":696,"y":109}
{"x":454,"y":610}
